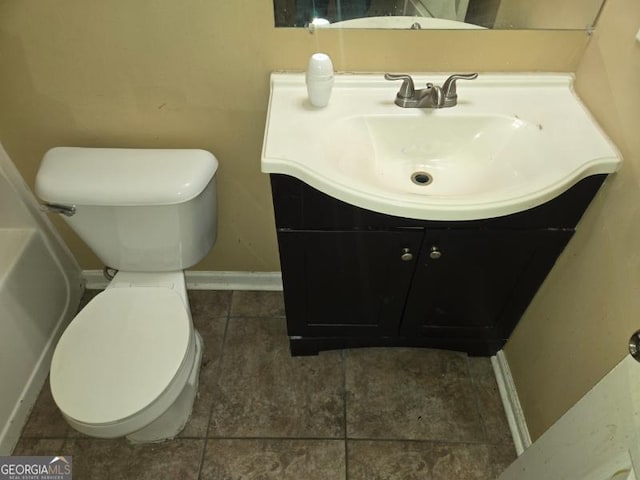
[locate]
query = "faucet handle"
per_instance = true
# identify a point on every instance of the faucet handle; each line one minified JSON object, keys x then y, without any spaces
{"x":449,"y":87}
{"x":407,"y":90}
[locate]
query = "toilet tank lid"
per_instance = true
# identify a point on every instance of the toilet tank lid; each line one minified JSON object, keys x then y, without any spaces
{"x":123,"y":176}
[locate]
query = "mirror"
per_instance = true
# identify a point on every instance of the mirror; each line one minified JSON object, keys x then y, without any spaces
{"x":438,"y":14}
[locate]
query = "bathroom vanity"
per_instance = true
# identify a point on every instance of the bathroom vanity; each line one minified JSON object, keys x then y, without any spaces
{"x":355,"y":278}
{"x":425,"y":227}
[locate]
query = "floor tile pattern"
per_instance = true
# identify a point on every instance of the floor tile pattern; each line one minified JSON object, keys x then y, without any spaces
{"x":361,"y":414}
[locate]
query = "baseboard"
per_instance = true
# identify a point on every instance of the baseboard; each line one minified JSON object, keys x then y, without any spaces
{"x":208,"y":280}
{"x":511,"y":402}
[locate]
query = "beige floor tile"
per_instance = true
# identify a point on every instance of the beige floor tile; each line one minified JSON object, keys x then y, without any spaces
{"x":263,"y":391}
{"x":45,"y":419}
{"x":97,"y":459}
{"x":501,"y":456}
{"x":489,"y":402}
{"x":270,"y":459}
{"x":208,"y":304}
{"x":257,"y":304}
{"x":212,"y":332}
{"x":402,"y":460}
{"x":415,"y":394}
{"x":39,"y":446}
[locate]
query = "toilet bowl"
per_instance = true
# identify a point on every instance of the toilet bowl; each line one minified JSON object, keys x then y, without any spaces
{"x":128,"y":363}
{"x":127,"y":358}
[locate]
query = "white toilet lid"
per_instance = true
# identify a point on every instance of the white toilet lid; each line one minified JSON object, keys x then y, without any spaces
{"x":120,"y":353}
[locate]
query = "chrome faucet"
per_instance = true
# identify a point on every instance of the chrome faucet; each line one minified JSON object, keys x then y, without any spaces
{"x":433,"y":96}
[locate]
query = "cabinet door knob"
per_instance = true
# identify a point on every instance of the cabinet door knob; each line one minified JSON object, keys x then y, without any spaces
{"x":434,"y":253}
{"x":406,"y":256}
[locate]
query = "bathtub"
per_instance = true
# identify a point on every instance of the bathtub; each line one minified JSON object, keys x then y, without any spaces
{"x":40,"y":289}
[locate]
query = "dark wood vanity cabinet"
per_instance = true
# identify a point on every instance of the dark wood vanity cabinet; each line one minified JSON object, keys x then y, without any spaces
{"x":470,"y":287}
{"x":346,"y":283}
{"x":356,"y":278}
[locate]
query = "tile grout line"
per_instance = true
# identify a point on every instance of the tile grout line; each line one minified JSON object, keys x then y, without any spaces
{"x":357,"y":439}
{"x":426,"y":440}
{"x":343,"y":355}
{"x":304,"y":438}
{"x":272,"y":438}
{"x":220,"y":365}
{"x":476,"y":396}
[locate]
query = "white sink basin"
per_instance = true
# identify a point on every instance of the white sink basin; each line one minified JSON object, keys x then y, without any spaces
{"x":403,"y":22}
{"x":513,"y":142}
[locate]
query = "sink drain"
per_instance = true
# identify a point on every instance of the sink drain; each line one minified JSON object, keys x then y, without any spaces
{"x":421,"y":178}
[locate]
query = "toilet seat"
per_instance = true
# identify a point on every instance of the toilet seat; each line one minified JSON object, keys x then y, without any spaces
{"x":127,"y":354}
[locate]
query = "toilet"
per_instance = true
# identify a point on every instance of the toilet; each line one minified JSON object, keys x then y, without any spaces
{"x":127,"y":365}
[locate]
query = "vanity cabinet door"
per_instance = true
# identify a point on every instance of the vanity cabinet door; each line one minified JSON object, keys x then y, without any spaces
{"x":347,"y":283}
{"x":477,"y":283}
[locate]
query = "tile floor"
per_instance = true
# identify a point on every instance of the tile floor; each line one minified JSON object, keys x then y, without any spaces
{"x":369,"y":414}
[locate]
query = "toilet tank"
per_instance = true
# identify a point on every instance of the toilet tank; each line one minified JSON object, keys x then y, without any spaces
{"x":148,"y":210}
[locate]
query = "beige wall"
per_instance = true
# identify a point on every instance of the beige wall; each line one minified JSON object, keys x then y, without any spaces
{"x":161,"y":73}
{"x":579,"y":324}
{"x":547,"y":13}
